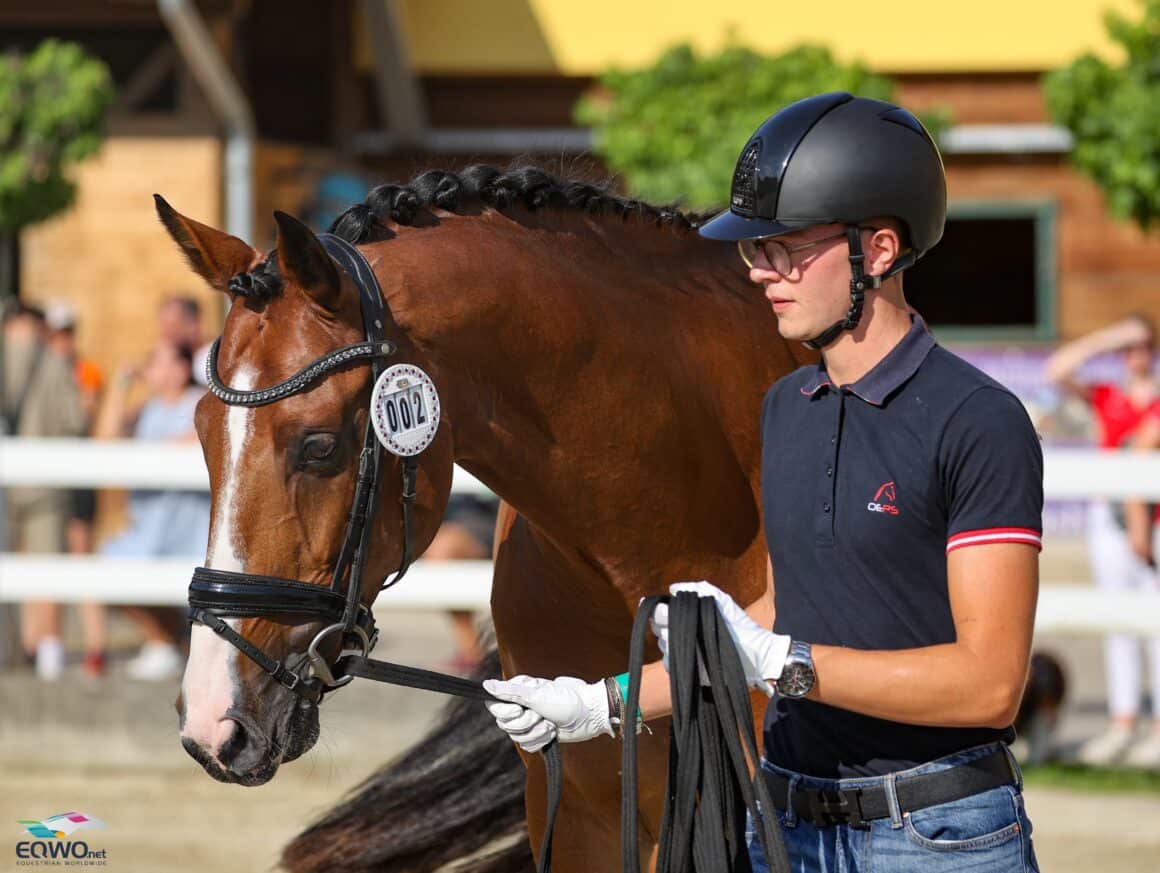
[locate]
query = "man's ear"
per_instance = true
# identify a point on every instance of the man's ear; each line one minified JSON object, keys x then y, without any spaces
{"x":213,"y":254}
{"x":304,"y":261}
{"x":882,"y":250}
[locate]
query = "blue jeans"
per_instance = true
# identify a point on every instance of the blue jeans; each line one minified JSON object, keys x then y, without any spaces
{"x":985,"y":833}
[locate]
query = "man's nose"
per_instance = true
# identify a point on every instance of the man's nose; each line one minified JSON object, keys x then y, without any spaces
{"x":758,"y":276}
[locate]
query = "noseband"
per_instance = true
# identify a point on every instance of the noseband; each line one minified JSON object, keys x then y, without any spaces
{"x":218,"y":594}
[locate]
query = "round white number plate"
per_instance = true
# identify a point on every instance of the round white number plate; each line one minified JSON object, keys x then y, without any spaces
{"x":405,"y":409}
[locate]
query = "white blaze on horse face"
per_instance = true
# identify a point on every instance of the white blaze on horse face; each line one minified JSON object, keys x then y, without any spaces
{"x":211,"y":673}
{"x":223,"y":550}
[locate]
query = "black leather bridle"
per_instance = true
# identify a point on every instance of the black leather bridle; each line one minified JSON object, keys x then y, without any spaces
{"x":217,"y":594}
{"x":214,"y":594}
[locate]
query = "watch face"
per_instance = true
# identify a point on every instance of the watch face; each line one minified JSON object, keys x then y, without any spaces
{"x":796,"y":680}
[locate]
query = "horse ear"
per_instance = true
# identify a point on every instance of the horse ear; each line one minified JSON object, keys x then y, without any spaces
{"x":302,"y":259}
{"x":214,"y":255}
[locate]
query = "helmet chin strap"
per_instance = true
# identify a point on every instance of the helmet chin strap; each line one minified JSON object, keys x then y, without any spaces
{"x":859,"y":282}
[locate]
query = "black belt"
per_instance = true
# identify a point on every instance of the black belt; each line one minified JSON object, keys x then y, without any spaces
{"x":858,"y":806}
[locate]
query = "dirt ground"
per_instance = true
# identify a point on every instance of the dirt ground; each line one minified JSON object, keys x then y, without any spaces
{"x":180,"y":820}
{"x":109,"y":749}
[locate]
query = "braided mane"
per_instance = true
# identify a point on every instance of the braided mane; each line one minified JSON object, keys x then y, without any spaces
{"x":483,"y":185}
{"x":476,"y":186}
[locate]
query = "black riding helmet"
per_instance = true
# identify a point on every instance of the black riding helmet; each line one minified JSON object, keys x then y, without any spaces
{"x":838,"y":159}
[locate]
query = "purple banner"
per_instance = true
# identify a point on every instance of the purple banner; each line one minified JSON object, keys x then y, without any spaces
{"x":1061,"y":420}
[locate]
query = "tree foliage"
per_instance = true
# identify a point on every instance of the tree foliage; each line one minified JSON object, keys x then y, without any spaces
{"x":52,"y":108}
{"x":1113,"y":112}
{"x":673,"y":130}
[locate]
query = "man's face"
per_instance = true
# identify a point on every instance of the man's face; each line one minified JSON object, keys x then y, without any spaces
{"x":816,"y":292}
{"x":1139,"y":358}
{"x":165,"y":370}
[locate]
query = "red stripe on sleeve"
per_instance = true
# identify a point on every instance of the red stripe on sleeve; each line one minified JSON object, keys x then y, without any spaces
{"x":987,"y":536}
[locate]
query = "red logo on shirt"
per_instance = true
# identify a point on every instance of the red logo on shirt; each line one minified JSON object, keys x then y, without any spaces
{"x":884,"y":493}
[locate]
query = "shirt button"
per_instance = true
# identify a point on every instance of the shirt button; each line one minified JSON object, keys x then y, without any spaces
{"x":829,"y":471}
{"x":833,"y":438}
{"x":825,"y":507}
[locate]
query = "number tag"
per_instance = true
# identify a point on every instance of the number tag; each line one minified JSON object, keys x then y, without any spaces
{"x":405,"y":410}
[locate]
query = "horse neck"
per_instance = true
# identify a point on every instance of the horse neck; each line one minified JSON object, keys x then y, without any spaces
{"x":594,"y":369}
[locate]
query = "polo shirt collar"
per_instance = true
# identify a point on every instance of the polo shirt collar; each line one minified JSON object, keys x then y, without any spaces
{"x":887,"y":375}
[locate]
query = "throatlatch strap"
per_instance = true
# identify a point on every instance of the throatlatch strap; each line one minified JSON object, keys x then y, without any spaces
{"x":410,"y":477}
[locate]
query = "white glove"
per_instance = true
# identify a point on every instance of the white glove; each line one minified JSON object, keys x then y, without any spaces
{"x":762,"y":652}
{"x":541,"y":709}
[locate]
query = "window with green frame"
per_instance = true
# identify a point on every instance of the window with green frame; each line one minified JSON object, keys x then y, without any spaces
{"x":992,"y":277}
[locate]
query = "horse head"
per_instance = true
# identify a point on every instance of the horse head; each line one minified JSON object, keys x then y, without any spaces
{"x":286,"y":433}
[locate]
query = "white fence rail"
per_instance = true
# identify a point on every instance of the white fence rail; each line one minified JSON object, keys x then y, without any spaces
{"x":84,"y":463}
{"x":163,"y":582}
{"x":466,"y":584}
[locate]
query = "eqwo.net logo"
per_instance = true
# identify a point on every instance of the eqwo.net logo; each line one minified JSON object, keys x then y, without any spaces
{"x":53,"y":846}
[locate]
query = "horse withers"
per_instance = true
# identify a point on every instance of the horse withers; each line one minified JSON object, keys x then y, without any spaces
{"x":598,"y":365}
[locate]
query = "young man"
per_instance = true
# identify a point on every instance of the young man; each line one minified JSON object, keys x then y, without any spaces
{"x":902,"y":496}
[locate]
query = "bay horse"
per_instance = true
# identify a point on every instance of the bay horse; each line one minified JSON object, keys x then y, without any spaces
{"x":600,"y":367}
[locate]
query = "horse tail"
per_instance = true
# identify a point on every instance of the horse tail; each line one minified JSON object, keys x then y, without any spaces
{"x":456,"y":795}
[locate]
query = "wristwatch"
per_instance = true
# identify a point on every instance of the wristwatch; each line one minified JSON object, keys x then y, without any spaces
{"x":797,"y":676}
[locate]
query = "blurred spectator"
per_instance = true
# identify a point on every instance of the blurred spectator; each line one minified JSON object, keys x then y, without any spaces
{"x":466,"y":534}
{"x":61,"y":321}
{"x":1118,"y":560}
{"x":1141,"y":520}
{"x":40,"y":399}
{"x":161,"y":523}
{"x":179,"y":322}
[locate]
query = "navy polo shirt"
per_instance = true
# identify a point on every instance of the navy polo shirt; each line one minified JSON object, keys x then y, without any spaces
{"x":865,"y":490}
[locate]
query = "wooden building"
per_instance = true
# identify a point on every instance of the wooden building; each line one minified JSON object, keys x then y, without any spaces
{"x":378,"y":89}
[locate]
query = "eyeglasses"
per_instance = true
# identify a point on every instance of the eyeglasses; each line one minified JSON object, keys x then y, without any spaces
{"x":778,"y":253}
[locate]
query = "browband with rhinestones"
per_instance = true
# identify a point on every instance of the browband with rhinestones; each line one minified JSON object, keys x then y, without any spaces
{"x":312,"y":372}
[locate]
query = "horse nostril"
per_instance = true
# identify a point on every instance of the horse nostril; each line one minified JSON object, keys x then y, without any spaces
{"x":194,"y":750}
{"x":232,"y":739}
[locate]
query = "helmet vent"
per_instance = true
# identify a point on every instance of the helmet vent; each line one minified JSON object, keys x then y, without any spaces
{"x":744,"y":195}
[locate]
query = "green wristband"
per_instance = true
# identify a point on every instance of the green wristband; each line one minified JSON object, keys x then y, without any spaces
{"x":622,"y":681}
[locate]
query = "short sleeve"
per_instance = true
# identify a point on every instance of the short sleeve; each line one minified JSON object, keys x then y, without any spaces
{"x":1098,"y":397}
{"x":991,"y":465}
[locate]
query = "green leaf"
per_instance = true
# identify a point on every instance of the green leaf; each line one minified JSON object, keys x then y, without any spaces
{"x":1113,"y":112}
{"x":673,"y":130}
{"x":53,"y":104}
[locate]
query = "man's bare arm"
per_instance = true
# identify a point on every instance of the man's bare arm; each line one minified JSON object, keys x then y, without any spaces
{"x":976,"y":681}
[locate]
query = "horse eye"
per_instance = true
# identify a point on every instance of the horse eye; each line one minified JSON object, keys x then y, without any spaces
{"x":318,"y":447}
